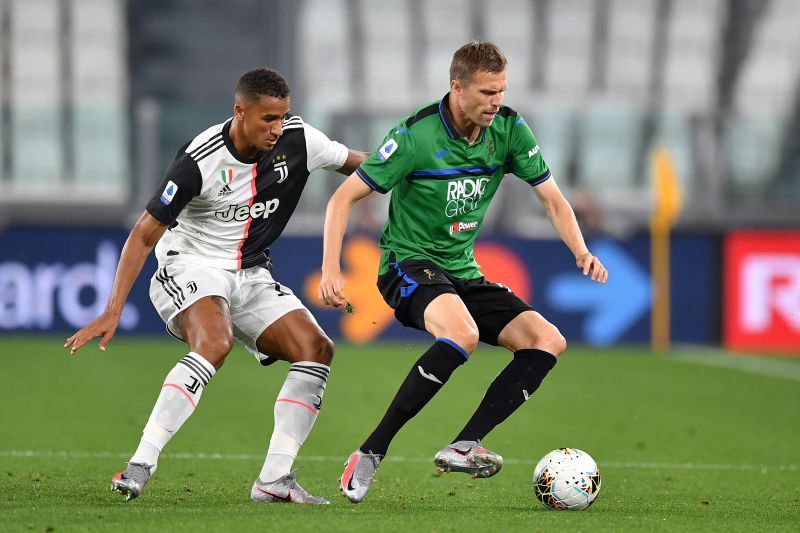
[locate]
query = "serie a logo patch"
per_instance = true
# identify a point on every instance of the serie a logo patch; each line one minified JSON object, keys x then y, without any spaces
{"x":386,"y":151}
{"x":169,"y":193}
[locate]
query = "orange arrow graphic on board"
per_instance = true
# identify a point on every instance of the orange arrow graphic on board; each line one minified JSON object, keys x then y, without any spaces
{"x":371,"y":315}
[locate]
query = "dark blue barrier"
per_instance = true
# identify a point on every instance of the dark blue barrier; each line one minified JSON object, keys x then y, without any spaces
{"x":54,"y":280}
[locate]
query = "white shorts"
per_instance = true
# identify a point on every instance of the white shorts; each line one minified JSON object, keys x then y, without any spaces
{"x":255,"y":299}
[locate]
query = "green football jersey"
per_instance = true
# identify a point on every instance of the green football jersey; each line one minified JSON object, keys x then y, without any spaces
{"x":442,"y":185}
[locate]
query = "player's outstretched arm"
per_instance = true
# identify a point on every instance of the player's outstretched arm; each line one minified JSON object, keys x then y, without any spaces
{"x":563,"y":219}
{"x":140,"y":243}
{"x":354,"y":160}
{"x":331,"y":285}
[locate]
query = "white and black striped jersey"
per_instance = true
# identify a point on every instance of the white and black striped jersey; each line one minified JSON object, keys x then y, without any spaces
{"x":224,"y":209}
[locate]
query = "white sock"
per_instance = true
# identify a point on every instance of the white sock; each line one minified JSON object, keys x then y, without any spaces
{"x":296,"y":408}
{"x":179,"y":396}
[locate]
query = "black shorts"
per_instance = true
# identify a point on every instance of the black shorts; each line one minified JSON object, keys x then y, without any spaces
{"x":408,"y":288}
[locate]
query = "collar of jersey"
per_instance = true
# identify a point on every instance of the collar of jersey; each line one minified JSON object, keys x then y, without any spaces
{"x":448,"y":125}
{"x":226,"y":136}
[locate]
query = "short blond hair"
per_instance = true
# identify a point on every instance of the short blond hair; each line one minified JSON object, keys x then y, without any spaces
{"x":474,"y":57}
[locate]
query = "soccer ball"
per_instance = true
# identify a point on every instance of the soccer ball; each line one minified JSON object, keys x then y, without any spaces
{"x":566,"y":479}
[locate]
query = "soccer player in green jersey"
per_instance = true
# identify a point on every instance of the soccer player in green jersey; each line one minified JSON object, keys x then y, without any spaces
{"x":444,"y":165}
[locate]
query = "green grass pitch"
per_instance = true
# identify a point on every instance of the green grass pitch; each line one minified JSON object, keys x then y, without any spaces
{"x":693,"y":441}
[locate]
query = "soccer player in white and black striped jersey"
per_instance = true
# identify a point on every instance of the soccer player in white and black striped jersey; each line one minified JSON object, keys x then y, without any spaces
{"x":226,"y":197}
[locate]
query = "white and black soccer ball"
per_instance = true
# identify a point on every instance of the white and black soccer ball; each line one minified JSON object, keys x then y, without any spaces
{"x":566,"y":479}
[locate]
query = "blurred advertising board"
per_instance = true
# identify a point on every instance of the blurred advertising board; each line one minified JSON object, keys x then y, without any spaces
{"x":56,"y":280}
{"x":762,"y":291}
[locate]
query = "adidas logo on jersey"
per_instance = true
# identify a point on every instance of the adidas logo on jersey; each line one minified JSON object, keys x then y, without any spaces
{"x":243,"y":212}
{"x":225,"y":191}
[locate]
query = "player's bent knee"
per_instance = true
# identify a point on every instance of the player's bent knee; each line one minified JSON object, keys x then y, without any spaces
{"x":214,"y":350}
{"x":548,"y":339}
{"x":554,"y":342}
{"x":318,"y":350}
{"x":467,"y":338}
{"x":324,"y":351}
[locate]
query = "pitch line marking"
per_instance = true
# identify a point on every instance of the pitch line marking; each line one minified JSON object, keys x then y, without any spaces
{"x":750,"y":364}
{"x":392,"y":459}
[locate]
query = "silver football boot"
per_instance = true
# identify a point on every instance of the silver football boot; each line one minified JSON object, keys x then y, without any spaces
{"x":358,"y":472}
{"x":470,"y":457}
{"x":132,"y":480}
{"x":285,"y":489}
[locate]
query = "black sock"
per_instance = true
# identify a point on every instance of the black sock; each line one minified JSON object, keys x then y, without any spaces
{"x":429,"y":373}
{"x":508,"y":391}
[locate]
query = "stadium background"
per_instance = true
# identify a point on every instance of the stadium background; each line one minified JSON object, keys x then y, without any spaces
{"x":661,"y":119}
{"x":673,"y":126}
{"x":95,"y":96}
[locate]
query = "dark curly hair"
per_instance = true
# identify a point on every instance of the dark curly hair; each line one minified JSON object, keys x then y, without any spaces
{"x":260,"y":82}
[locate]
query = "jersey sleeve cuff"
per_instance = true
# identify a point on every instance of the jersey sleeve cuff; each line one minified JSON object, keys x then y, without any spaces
{"x":540,"y":179}
{"x":366,"y":179}
{"x":159,"y":215}
{"x":340,"y":156}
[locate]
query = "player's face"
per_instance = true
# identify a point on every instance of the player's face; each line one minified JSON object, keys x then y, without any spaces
{"x":480,"y":99}
{"x":262,"y":120}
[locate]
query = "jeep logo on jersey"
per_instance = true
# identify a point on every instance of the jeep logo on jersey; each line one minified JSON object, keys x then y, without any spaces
{"x":242,"y":212}
{"x":457,"y":227}
{"x":463,"y":195}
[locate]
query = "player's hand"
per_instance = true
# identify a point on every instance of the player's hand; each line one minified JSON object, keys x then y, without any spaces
{"x":103,"y":326}
{"x":331,"y":289}
{"x":591,"y":266}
